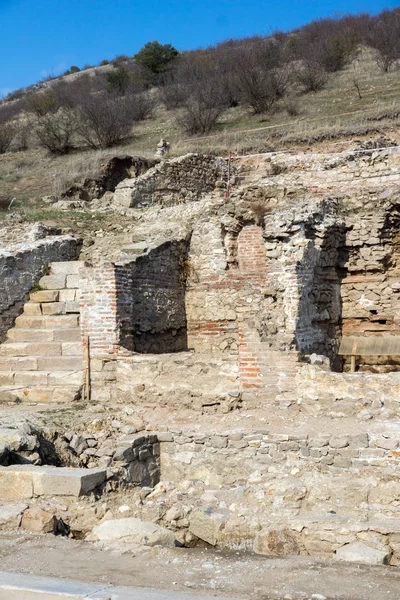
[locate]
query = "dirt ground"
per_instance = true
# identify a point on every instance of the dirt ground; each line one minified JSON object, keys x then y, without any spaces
{"x":198,"y":570}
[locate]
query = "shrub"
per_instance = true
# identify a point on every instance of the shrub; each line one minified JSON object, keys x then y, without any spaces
{"x":55,"y":130}
{"x":103,"y":122}
{"x":40,"y":103}
{"x":74,"y":69}
{"x":292,"y":108}
{"x":7,"y":133}
{"x":104,"y":62}
{"x":118,"y":80}
{"x":203,"y":106}
{"x":173,"y":95}
{"x":261,"y":78}
{"x":141,"y":105}
{"x":311,"y":77}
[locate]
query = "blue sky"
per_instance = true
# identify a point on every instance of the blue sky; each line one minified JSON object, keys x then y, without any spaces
{"x":41,"y":37}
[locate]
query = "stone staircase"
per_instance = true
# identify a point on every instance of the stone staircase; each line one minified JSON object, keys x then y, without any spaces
{"x":42,"y":357}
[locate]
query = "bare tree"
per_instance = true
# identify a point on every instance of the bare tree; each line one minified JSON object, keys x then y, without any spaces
{"x":141,"y":105}
{"x":55,"y":130}
{"x":261,"y":75}
{"x":384,"y":37}
{"x":311,"y":76}
{"x":104,"y":121}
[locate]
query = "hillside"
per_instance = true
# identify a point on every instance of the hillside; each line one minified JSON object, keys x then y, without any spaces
{"x":356,"y":101}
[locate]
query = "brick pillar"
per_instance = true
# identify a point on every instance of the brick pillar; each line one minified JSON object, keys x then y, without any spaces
{"x":99,"y":307}
{"x":251,"y":251}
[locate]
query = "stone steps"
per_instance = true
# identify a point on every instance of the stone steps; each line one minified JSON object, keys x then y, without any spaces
{"x":49,"y":349}
{"x":44,"y":394}
{"x":44,"y":351}
{"x":45,"y":322}
{"x":44,"y":335}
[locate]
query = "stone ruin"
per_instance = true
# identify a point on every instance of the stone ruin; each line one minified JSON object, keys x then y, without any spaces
{"x":231,"y":311}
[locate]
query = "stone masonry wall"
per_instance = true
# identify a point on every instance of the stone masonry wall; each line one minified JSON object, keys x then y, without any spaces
{"x":174,"y":181}
{"x":371,"y":288}
{"x":21,"y":269}
{"x":312,"y":494}
{"x":158,"y":300}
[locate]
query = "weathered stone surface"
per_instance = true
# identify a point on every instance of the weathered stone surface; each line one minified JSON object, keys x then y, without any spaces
{"x":359,"y":552}
{"x":53,"y":282}
{"x":37,"y":520}
{"x":134,"y":531}
{"x":276,"y":542}
{"x":64,"y":481}
{"x":10,"y":515}
{"x":16,"y":484}
{"x":206,"y":524}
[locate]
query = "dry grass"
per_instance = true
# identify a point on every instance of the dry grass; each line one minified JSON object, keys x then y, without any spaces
{"x":326,"y":117}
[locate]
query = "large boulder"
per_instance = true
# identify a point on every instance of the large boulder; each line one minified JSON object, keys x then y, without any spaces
{"x":134,"y":531}
{"x":359,"y":552}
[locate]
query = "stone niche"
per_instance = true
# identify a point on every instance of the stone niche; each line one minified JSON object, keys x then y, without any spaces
{"x":158,"y":300}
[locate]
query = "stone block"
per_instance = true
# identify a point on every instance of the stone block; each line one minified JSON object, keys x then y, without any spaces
{"x":16,"y":483}
{"x":67,"y":295}
{"x":54,"y":308}
{"x":123,"y":455}
{"x":40,"y":395}
{"x":30,"y":335}
{"x":6,"y":378}
{"x":165,"y":436}
{"x":65,"y":395}
{"x":65,"y":481}
{"x":27,"y":378}
{"x":276,"y":542}
{"x":30,"y":349}
{"x":66,"y":378}
{"x":70,"y":267}
{"x":206,"y":524}
{"x":73,"y":281}
{"x":67,"y":335}
{"x":32,"y":309}
{"x":72,"y":348}
{"x":358,"y":552}
{"x":53,"y":282}
{"x":37,"y":520}
{"x":61,"y":322}
{"x":218,"y":441}
{"x":72,"y":307}
{"x":44,"y":296}
{"x":10,"y":515}
{"x":60,"y":363}
{"x":26,"y":322}
{"x":134,"y":530}
{"x":18,"y":364}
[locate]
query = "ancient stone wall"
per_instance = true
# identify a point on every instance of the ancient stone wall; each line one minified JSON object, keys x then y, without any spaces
{"x":111,"y":174}
{"x":158,"y":300}
{"x":21,"y":269}
{"x":315,"y":493}
{"x":371,"y":288}
{"x":170,"y":182}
